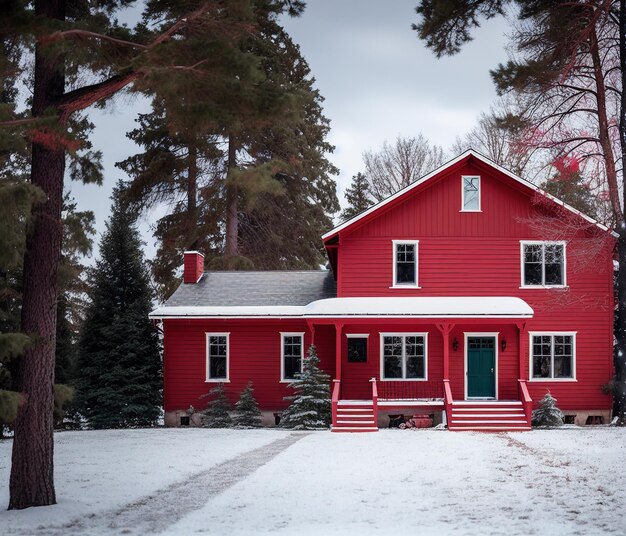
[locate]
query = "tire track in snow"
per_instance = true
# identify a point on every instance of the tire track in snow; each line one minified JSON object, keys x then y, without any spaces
{"x":156,"y":512}
{"x":557,"y":482}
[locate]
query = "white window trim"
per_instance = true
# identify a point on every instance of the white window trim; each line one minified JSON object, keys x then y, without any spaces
{"x":284,"y":334}
{"x":523,"y":243}
{"x":208,"y":368}
{"x":382,"y":357}
{"x":480,"y":194}
{"x":357,"y":335}
{"x":496,"y":336}
{"x":396,"y":243}
{"x":531,"y":334}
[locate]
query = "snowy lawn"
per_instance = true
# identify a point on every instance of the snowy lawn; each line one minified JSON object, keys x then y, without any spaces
{"x":96,"y":471}
{"x":568,"y":481}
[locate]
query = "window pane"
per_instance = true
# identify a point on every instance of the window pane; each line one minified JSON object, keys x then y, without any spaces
{"x":542,"y":347}
{"x":292,"y":355}
{"x":563,"y":356}
{"x":405,"y":263}
{"x":533,"y":264}
{"x":217,"y":356}
{"x":471,"y":193}
{"x":357,"y":349}
{"x":554,"y":264}
{"x":414,"y":351}
{"x":392,"y":357}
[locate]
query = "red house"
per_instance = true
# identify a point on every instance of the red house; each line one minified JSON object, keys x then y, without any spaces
{"x":467,"y":295}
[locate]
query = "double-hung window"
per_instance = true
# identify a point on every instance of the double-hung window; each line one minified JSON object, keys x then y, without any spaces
{"x":404,"y":356}
{"x":405,"y":263}
{"x":217,"y":357}
{"x":470,"y":193}
{"x":292,"y":355}
{"x":543,"y":264}
{"x":552,"y":356}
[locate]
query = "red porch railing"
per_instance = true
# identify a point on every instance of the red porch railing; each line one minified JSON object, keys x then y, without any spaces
{"x":399,"y":390}
{"x":524,"y":396}
{"x":335,"y":400}
{"x":447,"y":400}
{"x":375,"y":400}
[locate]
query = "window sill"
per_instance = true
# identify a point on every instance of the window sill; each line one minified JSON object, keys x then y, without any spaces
{"x":287,"y":381}
{"x":537,"y":287}
{"x":558,"y":380}
{"x":470,"y":210}
{"x":403,"y":379}
{"x":405,"y":286}
{"x":217,"y":380}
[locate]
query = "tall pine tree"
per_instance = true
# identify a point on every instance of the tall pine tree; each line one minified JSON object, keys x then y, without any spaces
{"x":119,"y":359}
{"x":250,"y":184}
{"x":82,"y":55}
{"x":358,"y":197}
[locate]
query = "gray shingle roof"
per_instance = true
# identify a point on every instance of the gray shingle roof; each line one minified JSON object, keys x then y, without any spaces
{"x":256,"y":288}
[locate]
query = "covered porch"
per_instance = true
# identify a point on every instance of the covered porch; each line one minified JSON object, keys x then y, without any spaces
{"x":466,"y":357}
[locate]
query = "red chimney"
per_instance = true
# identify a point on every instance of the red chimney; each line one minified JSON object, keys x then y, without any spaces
{"x":194,"y":266}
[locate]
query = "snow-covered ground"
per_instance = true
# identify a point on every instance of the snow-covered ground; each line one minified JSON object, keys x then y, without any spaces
{"x":569,"y":481}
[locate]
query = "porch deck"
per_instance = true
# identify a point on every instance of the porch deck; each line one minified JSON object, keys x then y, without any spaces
{"x":475,"y":415}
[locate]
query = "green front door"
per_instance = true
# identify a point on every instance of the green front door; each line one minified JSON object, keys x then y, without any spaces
{"x":481,"y":366}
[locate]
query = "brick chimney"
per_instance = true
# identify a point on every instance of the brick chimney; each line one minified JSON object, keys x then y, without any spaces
{"x":194,"y":266}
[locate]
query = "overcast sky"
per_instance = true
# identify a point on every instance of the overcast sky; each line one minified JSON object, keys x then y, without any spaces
{"x":378,"y":79}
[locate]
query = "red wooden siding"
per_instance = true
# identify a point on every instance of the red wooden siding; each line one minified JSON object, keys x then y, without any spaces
{"x":254,"y":352}
{"x":478,"y":254}
{"x":460,"y":254}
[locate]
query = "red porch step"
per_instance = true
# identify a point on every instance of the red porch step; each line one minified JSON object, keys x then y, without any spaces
{"x":355,"y":416}
{"x":488,"y":416}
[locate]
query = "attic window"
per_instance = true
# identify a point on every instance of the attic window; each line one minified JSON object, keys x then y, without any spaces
{"x":405,"y":263}
{"x":470,"y":193}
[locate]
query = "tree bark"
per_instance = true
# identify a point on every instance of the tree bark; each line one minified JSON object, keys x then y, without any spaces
{"x":619,"y":394}
{"x":231,"y":246}
{"x":603,"y":127}
{"x":32,"y":469}
{"x":192,"y":194}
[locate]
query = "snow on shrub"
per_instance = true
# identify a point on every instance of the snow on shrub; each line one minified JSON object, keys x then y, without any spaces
{"x":217,"y":414}
{"x":547,"y":414}
{"x":310,"y":407}
{"x":247,"y":413}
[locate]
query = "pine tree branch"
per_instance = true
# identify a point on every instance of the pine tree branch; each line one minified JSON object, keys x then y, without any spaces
{"x":85,"y":34}
{"x":83,"y":97}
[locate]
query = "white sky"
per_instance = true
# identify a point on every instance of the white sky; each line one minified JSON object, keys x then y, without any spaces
{"x":378,"y":79}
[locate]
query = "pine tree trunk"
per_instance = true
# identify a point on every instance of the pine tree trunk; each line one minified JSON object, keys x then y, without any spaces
{"x":31,"y":482}
{"x":603,"y":127}
{"x":231,"y":246}
{"x":619,"y":395}
{"x":192,"y":194}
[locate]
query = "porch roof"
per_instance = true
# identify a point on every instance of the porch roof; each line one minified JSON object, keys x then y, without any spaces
{"x":376,"y":307}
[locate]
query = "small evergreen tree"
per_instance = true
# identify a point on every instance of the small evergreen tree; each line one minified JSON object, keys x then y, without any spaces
{"x":547,"y":414}
{"x":217,"y":414}
{"x":247,"y":413}
{"x":310,"y":407}
{"x":119,"y":373}
{"x":358,"y":197}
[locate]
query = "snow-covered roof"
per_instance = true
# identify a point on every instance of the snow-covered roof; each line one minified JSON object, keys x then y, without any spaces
{"x":462,"y":156}
{"x":415,"y":307}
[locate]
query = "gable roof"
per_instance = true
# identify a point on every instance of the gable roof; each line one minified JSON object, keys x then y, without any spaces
{"x":272,"y":288}
{"x":463,"y":156}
